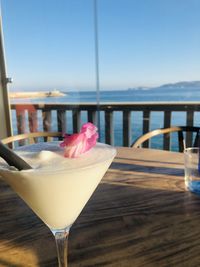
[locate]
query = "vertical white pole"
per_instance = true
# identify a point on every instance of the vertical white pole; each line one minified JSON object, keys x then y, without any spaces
{"x":96,"y":42}
{"x":5,"y":128}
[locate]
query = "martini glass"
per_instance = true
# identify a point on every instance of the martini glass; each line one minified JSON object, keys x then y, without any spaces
{"x":58,"y":188}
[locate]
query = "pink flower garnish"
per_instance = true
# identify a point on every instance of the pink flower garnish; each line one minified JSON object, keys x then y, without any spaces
{"x":78,"y":143}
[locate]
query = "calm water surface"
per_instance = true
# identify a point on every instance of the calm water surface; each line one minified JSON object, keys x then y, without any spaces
{"x":178,"y":118}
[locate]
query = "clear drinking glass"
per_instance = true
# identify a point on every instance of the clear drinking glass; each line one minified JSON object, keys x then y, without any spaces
{"x":192,"y":169}
{"x":58,"y":195}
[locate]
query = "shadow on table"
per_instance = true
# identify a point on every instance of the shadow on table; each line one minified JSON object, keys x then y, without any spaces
{"x":130,"y":226}
{"x":150,"y":161}
{"x":147,"y":168}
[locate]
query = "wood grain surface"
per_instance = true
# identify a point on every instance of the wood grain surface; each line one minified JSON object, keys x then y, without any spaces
{"x":140,"y":215}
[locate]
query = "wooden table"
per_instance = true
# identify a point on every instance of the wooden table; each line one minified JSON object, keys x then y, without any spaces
{"x":140,"y":215}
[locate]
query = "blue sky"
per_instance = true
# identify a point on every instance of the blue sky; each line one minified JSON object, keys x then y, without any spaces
{"x":50,"y":43}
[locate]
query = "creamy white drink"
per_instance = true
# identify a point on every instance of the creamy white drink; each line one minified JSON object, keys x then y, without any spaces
{"x":57,"y":188}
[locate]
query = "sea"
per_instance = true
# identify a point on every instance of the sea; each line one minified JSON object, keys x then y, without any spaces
{"x":130,"y":95}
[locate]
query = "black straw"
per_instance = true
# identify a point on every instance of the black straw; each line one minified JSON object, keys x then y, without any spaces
{"x":12,"y":158}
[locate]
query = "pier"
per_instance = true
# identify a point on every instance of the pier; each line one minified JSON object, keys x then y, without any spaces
{"x":54,"y":93}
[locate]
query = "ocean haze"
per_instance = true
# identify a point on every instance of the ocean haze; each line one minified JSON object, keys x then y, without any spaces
{"x":176,"y":92}
{"x":182,"y":85}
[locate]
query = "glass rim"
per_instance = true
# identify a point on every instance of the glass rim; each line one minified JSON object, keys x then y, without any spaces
{"x":109,"y":157}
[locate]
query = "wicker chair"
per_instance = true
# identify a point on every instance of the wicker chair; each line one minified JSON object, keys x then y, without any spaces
{"x":178,"y":129}
{"x":31,"y":138}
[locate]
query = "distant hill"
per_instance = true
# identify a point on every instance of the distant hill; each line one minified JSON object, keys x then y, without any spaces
{"x":186,"y":86}
{"x":193,"y":85}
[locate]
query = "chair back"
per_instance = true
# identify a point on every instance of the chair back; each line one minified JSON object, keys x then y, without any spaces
{"x":31,"y":138}
{"x":166,"y":131}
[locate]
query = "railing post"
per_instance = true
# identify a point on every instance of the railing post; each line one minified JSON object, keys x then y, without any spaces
{"x":21,"y":123}
{"x":46,"y":115}
{"x":61,"y":121}
{"x":189,"y":122}
{"x":92,"y":116}
{"x":109,"y":131}
{"x":33,"y":121}
{"x":76,"y":119}
{"x":167,"y":124}
{"x":126,"y":128}
{"x":146,"y":126}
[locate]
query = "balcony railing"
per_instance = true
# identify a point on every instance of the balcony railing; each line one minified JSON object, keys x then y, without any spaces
{"x":27,"y":118}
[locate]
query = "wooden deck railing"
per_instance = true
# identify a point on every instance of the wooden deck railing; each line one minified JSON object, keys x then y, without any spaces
{"x":30,"y":111}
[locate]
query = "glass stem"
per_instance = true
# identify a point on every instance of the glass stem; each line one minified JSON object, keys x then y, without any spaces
{"x":61,"y":237}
